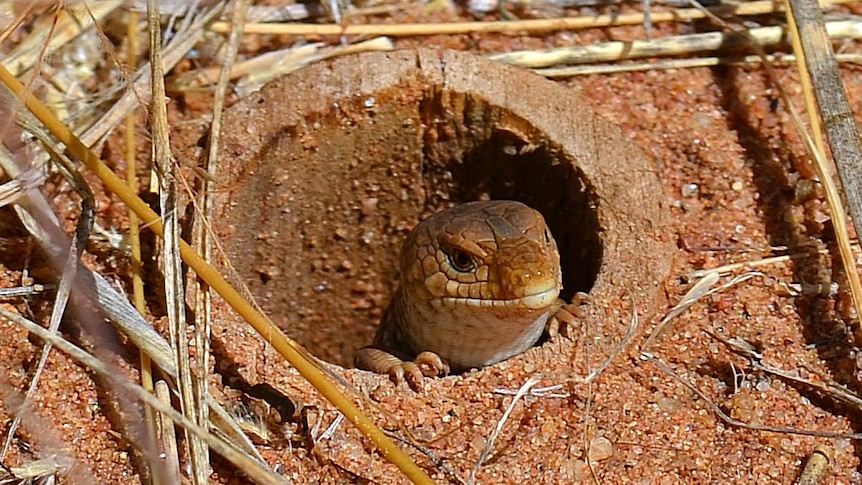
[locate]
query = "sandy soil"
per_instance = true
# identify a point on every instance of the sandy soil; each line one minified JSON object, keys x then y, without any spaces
{"x":736,"y":186}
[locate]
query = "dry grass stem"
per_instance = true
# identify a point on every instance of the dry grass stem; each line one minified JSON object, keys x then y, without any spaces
{"x":169,"y":473}
{"x":171,"y":261}
{"x":138,"y":91}
{"x":201,"y":293}
{"x":202,"y":297}
{"x":18,"y":187}
{"x":253,"y":73}
{"x":257,"y":471}
{"x":24,"y":290}
{"x":728,"y":8}
{"x":759,"y":263}
{"x":55,"y":29}
{"x":716,"y":409}
{"x":698,"y":290}
{"x":702,"y":287}
{"x":547,"y":391}
{"x":746,"y":265}
{"x":755,"y":360}
{"x":280,"y":13}
{"x":255,"y":78}
{"x":489,"y":443}
{"x":132,"y":180}
{"x":818,"y":68}
{"x":45,"y":470}
{"x":434,"y":457}
{"x":167,"y":438}
{"x":664,"y":64}
{"x":666,"y":46}
{"x":822,"y":384}
{"x":297,"y":356}
{"x":513,"y":26}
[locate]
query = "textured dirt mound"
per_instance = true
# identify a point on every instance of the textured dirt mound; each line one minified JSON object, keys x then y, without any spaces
{"x":327,"y":170}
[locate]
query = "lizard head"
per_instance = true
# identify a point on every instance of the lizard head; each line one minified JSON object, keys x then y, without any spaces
{"x":496,"y":255}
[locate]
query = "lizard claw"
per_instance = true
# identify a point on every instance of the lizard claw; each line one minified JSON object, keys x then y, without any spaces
{"x":426,"y":364}
{"x":566,"y":315}
{"x":431,"y":364}
{"x":407,"y":372}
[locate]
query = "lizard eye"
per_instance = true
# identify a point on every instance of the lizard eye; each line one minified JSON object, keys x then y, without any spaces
{"x":460,"y":260}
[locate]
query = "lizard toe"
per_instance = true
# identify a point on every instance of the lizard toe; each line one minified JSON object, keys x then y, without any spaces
{"x":566,"y":316}
{"x":431,"y":364}
{"x":413,"y":375}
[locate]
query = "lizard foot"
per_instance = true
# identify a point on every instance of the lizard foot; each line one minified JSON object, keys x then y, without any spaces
{"x":426,"y":364}
{"x":566,"y":315}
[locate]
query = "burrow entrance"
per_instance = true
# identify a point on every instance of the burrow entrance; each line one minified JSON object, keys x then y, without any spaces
{"x":327,"y":170}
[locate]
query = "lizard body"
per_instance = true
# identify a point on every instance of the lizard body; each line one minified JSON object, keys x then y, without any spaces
{"x":478,"y":284}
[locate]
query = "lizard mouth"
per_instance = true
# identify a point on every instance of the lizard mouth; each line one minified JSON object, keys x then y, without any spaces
{"x":542,"y":299}
{"x":538,"y":300}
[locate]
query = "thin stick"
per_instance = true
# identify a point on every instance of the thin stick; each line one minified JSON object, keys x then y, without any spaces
{"x":253,"y":468}
{"x":742,"y":424}
{"x":821,"y":71}
{"x":202,"y":295}
{"x":170,"y":468}
{"x":662,"y":64}
{"x":665,"y":46}
{"x":171,"y":263}
{"x":23,"y":290}
{"x":516,"y":26}
{"x":167,"y":436}
{"x":523,"y":391}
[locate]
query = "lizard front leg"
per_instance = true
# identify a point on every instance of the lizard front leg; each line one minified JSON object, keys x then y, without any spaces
{"x":566,"y":315}
{"x":427,"y":364}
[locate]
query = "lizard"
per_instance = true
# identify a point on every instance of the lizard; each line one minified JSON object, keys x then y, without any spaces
{"x":478,"y":284}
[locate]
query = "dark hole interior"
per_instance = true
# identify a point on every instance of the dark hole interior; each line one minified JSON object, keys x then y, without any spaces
{"x":487,"y":161}
{"x":539,"y":178}
{"x":321,"y":228}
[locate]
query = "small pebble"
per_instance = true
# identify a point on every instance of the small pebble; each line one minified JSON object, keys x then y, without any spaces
{"x":689,"y":190}
{"x":600,"y":449}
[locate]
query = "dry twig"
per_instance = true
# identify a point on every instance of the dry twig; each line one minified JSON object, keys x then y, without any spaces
{"x":513,"y":26}
{"x":738,"y":423}
{"x":817,"y":67}
{"x":259,"y":472}
{"x":667,"y":46}
{"x":171,"y":262}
